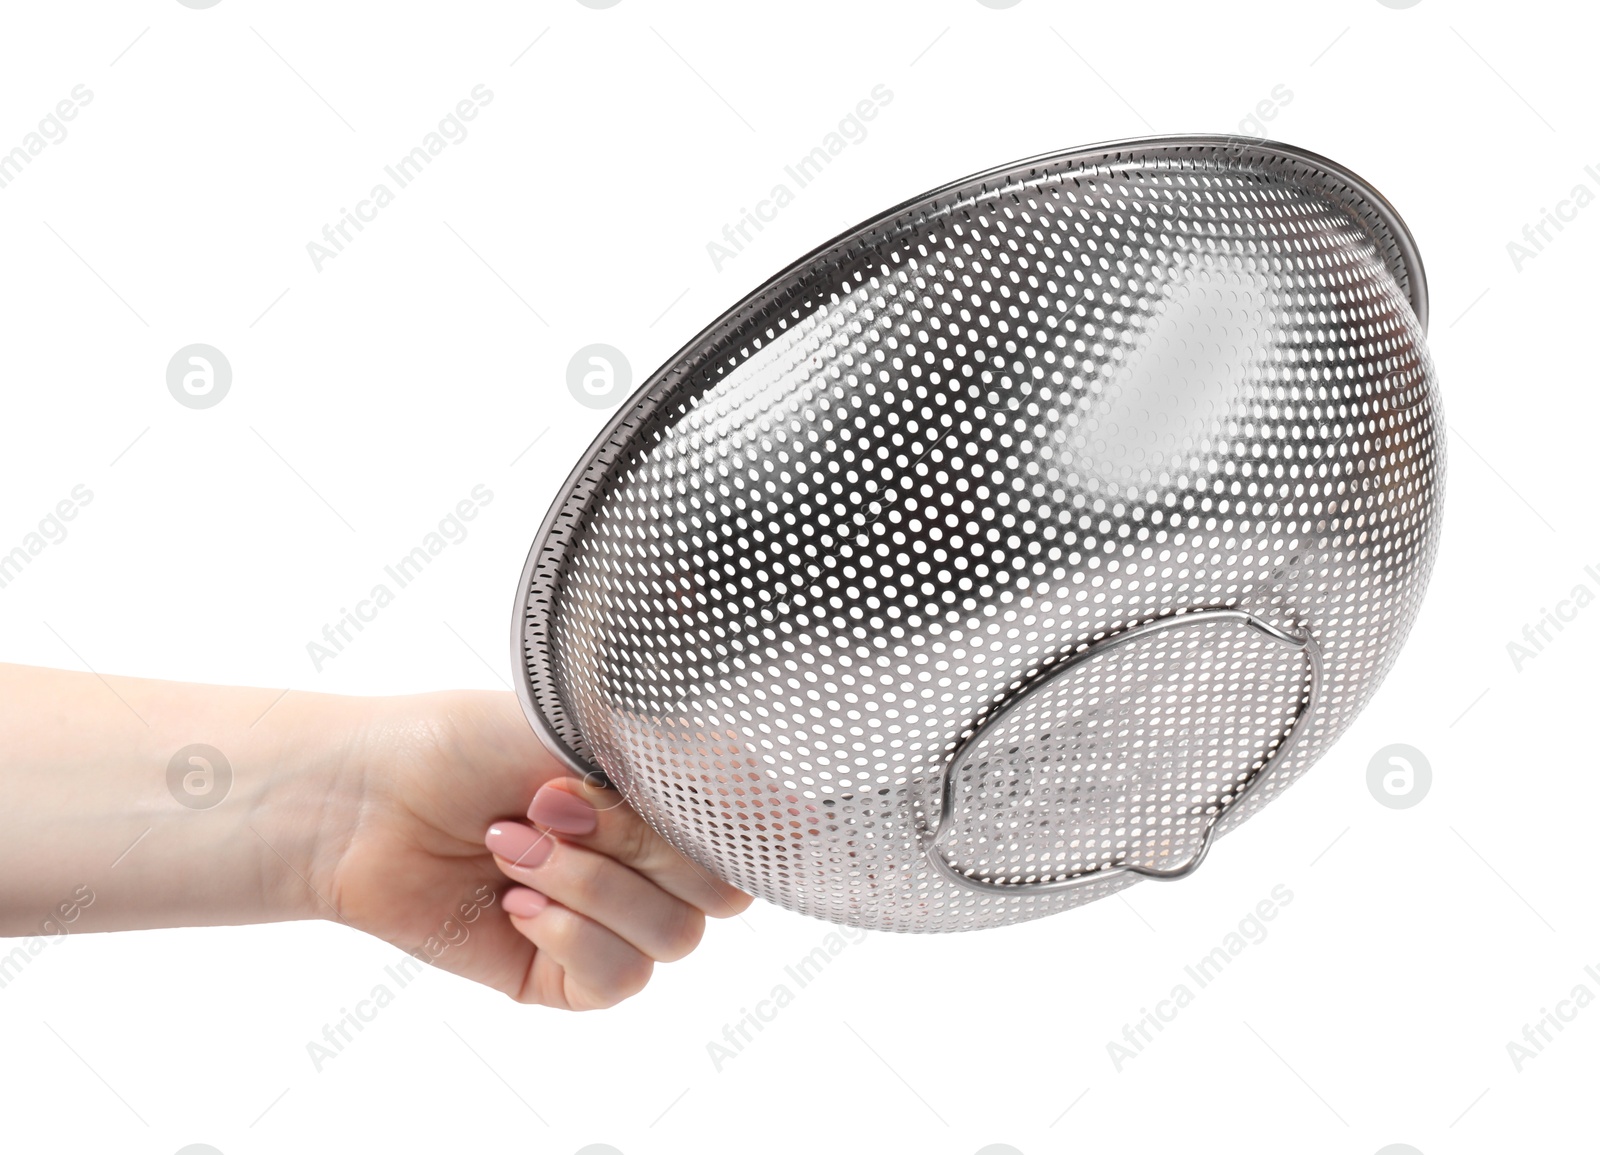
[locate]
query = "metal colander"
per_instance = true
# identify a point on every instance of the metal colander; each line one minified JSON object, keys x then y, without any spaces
{"x":1009,"y":547}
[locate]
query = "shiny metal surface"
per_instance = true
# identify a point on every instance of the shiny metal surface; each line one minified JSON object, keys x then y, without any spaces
{"x":835,"y":597}
{"x":1051,"y":793}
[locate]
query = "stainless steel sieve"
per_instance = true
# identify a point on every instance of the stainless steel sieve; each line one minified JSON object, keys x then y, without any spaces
{"x":1009,"y":547}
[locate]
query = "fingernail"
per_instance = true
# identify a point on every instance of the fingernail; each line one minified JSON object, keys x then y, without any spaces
{"x":522,"y":902}
{"x":519,"y":844}
{"x":562,"y":810}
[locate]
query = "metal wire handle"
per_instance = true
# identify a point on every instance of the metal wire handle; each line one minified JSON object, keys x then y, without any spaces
{"x":1303,"y":641}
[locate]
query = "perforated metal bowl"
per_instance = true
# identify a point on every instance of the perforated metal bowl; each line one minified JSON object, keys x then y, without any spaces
{"x":1009,"y":547}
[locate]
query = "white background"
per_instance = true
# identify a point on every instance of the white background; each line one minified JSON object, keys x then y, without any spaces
{"x":369,"y":397}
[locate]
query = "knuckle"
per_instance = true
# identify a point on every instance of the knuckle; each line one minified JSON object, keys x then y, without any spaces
{"x":624,"y":981}
{"x":583,"y":873}
{"x":562,"y":932}
{"x":635,"y":840}
{"x":634,"y":975}
{"x":533,"y":991}
{"x":686,"y":926}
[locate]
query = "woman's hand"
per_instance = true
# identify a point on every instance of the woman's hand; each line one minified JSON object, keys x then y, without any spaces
{"x":446,"y":820}
{"x":130,"y":803}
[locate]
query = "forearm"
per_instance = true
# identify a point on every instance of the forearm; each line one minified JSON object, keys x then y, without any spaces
{"x":98,"y":831}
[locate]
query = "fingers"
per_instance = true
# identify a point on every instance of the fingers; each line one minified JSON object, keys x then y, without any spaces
{"x":602,"y":896}
{"x":577,"y":964}
{"x":631,"y":906}
{"x":597,"y":818}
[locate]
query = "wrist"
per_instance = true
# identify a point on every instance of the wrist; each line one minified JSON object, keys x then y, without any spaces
{"x":248,"y":827}
{"x":320,"y":758}
{"x":153,"y":803}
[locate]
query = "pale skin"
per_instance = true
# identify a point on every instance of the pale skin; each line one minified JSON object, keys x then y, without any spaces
{"x":392,"y":815}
